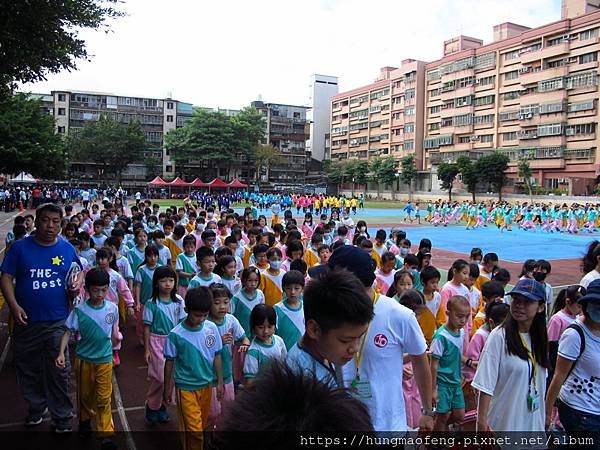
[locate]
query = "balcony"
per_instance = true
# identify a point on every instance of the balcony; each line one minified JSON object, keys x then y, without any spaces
{"x":580,"y":155}
{"x":452,"y":156}
{"x":591,"y":43}
{"x":533,"y":77}
{"x":526,"y":135}
{"x":555,"y":50}
{"x":581,"y":137}
{"x":557,"y":96}
{"x":528,"y":57}
{"x":485,"y":87}
{"x":539,"y":157}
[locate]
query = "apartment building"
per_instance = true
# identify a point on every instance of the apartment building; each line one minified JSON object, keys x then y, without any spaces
{"x":73,"y":109}
{"x":532,"y":93}
{"x":382,"y":118}
{"x":322,"y":89}
{"x":288,"y":131}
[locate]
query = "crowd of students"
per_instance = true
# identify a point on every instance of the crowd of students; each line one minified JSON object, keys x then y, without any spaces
{"x":218,"y":298}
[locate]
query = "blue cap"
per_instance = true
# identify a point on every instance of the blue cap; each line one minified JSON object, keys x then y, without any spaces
{"x":592,"y":292}
{"x":530,"y":289}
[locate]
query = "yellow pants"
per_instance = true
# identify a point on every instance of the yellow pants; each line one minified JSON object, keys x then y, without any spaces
{"x":122,"y":313}
{"x":94,"y":391}
{"x":192,"y":413}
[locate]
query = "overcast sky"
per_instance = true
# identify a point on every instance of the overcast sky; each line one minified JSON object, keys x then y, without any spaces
{"x":227,"y":53}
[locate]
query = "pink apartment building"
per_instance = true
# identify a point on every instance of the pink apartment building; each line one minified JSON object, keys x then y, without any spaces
{"x":532,"y":93}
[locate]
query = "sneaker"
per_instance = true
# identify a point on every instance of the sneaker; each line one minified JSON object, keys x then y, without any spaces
{"x":108,"y":444}
{"x":163,"y":415}
{"x":151,"y":415}
{"x":85,"y":428}
{"x":116,"y":359}
{"x":35,"y":419}
{"x":63,"y":427}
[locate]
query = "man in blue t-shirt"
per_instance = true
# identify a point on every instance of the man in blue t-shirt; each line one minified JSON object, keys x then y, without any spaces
{"x":37,"y":284}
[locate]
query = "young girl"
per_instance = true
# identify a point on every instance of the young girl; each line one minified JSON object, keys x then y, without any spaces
{"x":413,"y":300}
{"x":226,"y":268}
{"x":385,"y":274}
{"x":122,"y":263}
{"x":266,"y":346}
{"x":457,"y":275}
{"x":142,"y":285}
{"x":231,"y":332}
{"x":136,"y":255}
{"x":435,"y":314}
{"x":403,"y":281}
{"x":185,"y":265}
{"x":87,"y":248}
{"x":308,"y":226}
{"x":162,"y":312}
{"x":270,"y":280}
{"x":117,"y":290}
{"x":564,"y":312}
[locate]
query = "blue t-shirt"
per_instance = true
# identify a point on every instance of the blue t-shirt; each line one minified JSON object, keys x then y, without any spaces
{"x":39,"y":272}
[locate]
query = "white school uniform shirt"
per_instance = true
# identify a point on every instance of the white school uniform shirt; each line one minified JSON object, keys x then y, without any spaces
{"x":506,"y":378}
{"x":393,"y":331}
{"x":589,"y":277}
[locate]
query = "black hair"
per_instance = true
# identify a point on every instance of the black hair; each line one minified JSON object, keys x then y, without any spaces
{"x":387,"y":256}
{"x":189,"y":239}
{"x":274,"y":251}
{"x":19,"y":220}
{"x":492,"y":289}
{"x":160,"y":273}
{"x":207,"y":234}
{"x":204,"y":252}
{"x":179,"y":230}
{"x":299,"y":265}
{"x":107,"y":253}
{"x":412,"y":299}
{"x":381,"y":235}
{"x":457,"y":265}
{"x":421,"y":255}
{"x":573,"y":293}
{"x":425,"y":244}
{"x":219,"y":290}
{"x":222,"y":251}
{"x":150,"y":251}
{"x":96,"y":277}
{"x":270,"y":238}
{"x":335,"y":298}
{"x":339,"y":243}
{"x":528,"y":266}
{"x":411,"y":260}
{"x":260,"y":313}
{"x":282,"y":402}
{"x":19,"y":231}
{"x":542,"y":264}
{"x":323,"y":247}
{"x":112,"y":241}
{"x":430,"y":273}
{"x":502,"y":276}
{"x":474,"y":270}
{"x":490,"y":257}
{"x":230,"y":240}
{"x":590,"y":259}
{"x":497,"y":312}
{"x":476,"y":251}
{"x":293,"y":235}
{"x":247,"y":272}
{"x":293,"y":277}
{"x":397,"y":276}
{"x":158,"y":234}
{"x":316,"y":238}
{"x":294,"y":246}
{"x":223,"y":262}
{"x":198,"y":299}
{"x":48,"y":208}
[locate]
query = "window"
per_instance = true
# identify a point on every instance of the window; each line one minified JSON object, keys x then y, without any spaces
{"x":511,"y":75}
{"x":588,"y":34}
{"x":551,"y":108}
{"x":61,"y":111}
{"x":485,"y":61}
{"x":169,"y":168}
{"x":556,"y":63}
{"x":488,"y":118}
{"x":398,"y":132}
{"x":462,"y":120}
{"x":296,"y":115}
{"x":169,"y":118}
{"x":435,"y":92}
{"x":484,"y":81}
{"x":169,"y":106}
{"x":486,"y":138}
{"x":433,"y":75}
{"x":576,"y":130}
{"x":409,"y":145}
{"x":434,"y":109}
{"x":409,"y":94}
{"x":359,"y":126}
{"x":508,"y":115}
{"x":397,"y":115}
{"x":361,"y":114}
{"x":550,"y":85}
{"x":512,"y":95}
{"x":583,"y":106}
{"x":463,"y":101}
{"x":553,"y":129}
{"x":510,"y":136}
{"x":375,"y":124}
{"x":375,"y":109}
{"x":62,"y":97}
{"x":555,"y":41}
{"x":61,"y":130}
{"x":588,"y":57}
{"x":584,"y":79}
{"x":526,"y":110}
{"x":464,"y":139}
{"x":437,"y":141}
{"x":434,"y":126}
{"x":409,"y":128}
{"x":447,"y":122}
{"x":409,"y":111}
{"x":512,"y":55}
{"x":487,"y":100}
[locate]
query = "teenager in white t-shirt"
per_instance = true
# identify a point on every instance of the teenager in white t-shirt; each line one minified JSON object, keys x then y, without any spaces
{"x":376,"y":371}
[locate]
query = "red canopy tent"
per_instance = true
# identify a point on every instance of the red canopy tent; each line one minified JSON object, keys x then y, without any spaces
{"x":237,"y":184}
{"x":158,"y":181}
{"x":218,"y":183}
{"x":178,"y":182}
{"x":198,"y":183}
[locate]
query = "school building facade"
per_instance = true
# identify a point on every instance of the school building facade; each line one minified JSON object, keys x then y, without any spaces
{"x":532,"y":93}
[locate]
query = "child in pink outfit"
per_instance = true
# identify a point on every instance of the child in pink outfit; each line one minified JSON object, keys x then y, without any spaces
{"x":161,"y":314}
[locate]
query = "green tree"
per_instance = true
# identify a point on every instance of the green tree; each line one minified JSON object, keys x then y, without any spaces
{"x":491,"y":169}
{"x":335,"y":171}
{"x":408,"y":172}
{"x":38,"y":37}
{"x":264,"y":156}
{"x":469,"y":174}
{"x":153,"y":166}
{"x":351,"y":171}
{"x":447,"y":173}
{"x":361,"y":174}
{"x":28,"y":141}
{"x":249,"y":130}
{"x":388,"y":173}
{"x":109,"y":144}
{"x":524,"y":171}
{"x":374,"y":170}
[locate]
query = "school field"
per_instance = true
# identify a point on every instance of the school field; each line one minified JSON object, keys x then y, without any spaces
{"x":449,"y":243}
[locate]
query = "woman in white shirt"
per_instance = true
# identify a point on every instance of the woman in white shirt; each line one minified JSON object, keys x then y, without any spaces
{"x":511,"y":375}
{"x":576,"y":380}
{"x":591,"y":264}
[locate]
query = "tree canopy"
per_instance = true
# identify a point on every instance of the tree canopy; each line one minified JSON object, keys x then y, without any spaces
{"x":469,"y":174}
{"x":447,"y":174}
{"x":28,"y":140}
{"x":108,"y":143}
{"x":38,"y":37}
{"x":491,"y":169}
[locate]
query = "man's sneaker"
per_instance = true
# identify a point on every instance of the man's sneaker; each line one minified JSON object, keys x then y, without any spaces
{"x":85,"y":428}
{"x":35,"y":419}
{"x":116,"y":359}
{"x":63,"y":427}
{"x":163,"y":415}
{"x":108,"y":444}
{"x":151,"y":415}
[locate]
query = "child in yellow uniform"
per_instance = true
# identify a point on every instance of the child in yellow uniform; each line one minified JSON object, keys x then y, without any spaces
{"x":311,"y":256}
{"x":271,"y":278}
{"x":434,"y":316}
{"x":491,"y":292}
{"x":175,"y":243}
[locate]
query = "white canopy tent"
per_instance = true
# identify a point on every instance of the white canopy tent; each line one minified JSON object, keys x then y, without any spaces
{"x":23,"y":178}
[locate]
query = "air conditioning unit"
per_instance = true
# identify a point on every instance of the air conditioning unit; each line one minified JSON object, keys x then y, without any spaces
{"x":528,"y":115}
{"x":570,"y":132}
{"x":524,"y":69}
{"x":473,"y":138}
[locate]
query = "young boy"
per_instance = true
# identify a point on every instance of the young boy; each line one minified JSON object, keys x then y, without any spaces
{"x":253,"y":235}
{"x":186,"y":266}
{"x":311,"y":256}
{"x":98,"y":237}
{"x":446,"y":364}
{"x":294,"y":251}
{"x":271,"y":278}
{"x":491,"y":292}
{"x":205,"y":259}
{"x":193,"y":351}
{"x":97,"y":322}
{"x":337,"y":312}
{"x":259,"y":252}
{"x":164,"y":254}
{"x":290,"y":314}
{"x":175,"y":243}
